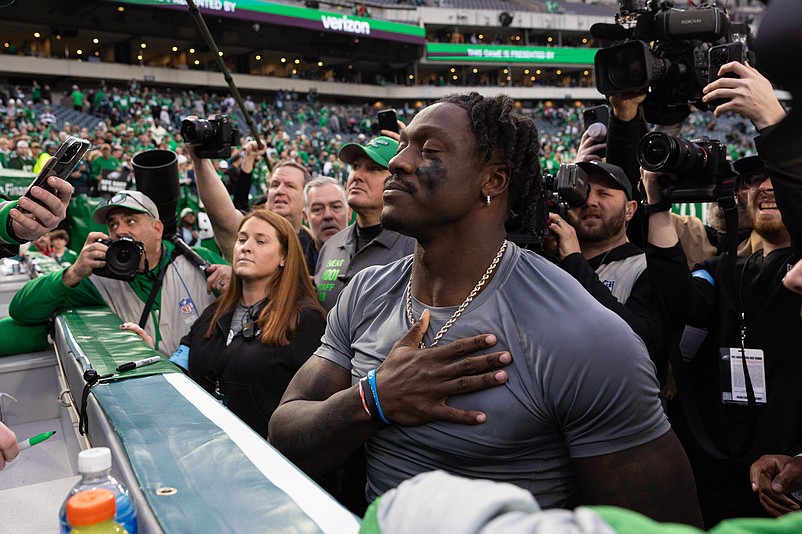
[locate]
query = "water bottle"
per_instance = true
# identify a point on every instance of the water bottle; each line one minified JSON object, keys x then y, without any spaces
{"x":92,"y":512}
{"x":94,"y":466}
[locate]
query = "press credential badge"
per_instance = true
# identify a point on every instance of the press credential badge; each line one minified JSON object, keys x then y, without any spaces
{"x":733,"y":385}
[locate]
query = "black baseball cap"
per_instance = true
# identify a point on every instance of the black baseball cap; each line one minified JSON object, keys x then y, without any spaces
{"x":751,"y":169}
{"x":613,"y":172}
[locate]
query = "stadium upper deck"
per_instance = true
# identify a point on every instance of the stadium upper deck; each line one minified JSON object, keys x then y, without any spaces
{"x":393,"y":52}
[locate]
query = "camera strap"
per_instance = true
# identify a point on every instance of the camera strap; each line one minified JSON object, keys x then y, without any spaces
{"x":157,"y":284}
{"x":727,"y":204}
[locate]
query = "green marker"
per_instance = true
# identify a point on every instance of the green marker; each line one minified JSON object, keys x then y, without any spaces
{"x":30,"y":442}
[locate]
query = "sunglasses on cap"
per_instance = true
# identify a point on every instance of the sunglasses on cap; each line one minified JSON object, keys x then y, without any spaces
{"x":120,"y":198}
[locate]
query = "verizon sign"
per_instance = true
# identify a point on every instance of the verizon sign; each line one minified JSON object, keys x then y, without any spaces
{"x":346,"y":25}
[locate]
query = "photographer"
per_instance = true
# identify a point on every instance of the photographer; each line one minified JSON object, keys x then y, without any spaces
{"x":284,"y":196}
{"x":176,"y":290}
{"x":593,"y":248}
{"x":737,"y":300}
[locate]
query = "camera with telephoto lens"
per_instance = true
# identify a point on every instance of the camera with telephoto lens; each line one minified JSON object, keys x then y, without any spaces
{"x":122,"y":258}
{"x":569,"y":188}
{"x":700,"y":165}
{"x":214,"y":136}
{"x":669,"y":51}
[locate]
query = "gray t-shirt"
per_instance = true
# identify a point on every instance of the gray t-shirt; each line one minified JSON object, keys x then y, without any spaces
{"x":581,"y":382}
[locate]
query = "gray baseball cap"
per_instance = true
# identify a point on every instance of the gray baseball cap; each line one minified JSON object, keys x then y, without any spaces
{"x":131,"y":200}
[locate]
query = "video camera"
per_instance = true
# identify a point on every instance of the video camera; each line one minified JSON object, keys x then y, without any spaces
{"x":703,"y":172}
{"x":569,"y":188}
{"x":670,"y":51}
{"x":122,"y":258}
{"x":215,"y":136}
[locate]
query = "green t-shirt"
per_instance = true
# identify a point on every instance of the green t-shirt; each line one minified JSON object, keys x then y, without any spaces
{"x":98,"y":164}
{"x":77,"y":98}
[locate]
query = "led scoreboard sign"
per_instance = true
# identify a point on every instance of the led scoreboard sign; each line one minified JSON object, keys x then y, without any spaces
{"x":299,"y":17}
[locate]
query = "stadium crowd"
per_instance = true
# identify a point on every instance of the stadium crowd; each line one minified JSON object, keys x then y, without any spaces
{"x":126,"y":120}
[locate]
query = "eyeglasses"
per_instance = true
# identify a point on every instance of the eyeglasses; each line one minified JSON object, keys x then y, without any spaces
{"x":120,"y":198}
{"x":753,"y":180}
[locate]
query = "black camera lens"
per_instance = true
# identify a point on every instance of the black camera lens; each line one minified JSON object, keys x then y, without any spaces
{"x":628,"y":69}
{"x":197,"y":131}
{"x":122,"y":257}
{"x":661,"y":152}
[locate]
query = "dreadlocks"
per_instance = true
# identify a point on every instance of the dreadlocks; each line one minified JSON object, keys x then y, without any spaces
{"x":497,"y":126}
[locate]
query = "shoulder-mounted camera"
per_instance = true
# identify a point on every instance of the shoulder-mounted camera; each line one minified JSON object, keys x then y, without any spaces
{"x":674,"y":52}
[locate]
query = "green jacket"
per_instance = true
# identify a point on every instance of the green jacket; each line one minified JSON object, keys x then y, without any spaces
{"x":8,"y":245}
{"x":40,"y":298}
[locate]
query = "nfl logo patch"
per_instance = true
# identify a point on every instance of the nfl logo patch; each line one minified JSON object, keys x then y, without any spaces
{"x":187,"y":306}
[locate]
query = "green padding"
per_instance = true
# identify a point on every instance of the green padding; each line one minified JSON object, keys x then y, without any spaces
{"x":628,"y":522}
{"x":97,"y":332}
{"x":170,"y":443}
{"x":80,"y":213}
{"x":19,"y":338}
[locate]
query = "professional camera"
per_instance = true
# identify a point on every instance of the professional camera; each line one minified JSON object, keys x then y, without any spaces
{"x":700,"y":165}
{"x":214,"y":135}
{"x":668,"y":50}
{"x":122,"y":258}
{"x":569,"y":188}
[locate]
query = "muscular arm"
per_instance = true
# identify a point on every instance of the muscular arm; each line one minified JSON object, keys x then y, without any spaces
{"x":654,"y":479}
{"x":320,"y":420}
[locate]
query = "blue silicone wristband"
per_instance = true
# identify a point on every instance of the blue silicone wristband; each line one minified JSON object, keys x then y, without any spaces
{"x":375,"y":392}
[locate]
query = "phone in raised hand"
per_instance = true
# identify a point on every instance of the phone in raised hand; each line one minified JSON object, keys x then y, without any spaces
{"x":388,"y":120}
{"x":61,"y":164}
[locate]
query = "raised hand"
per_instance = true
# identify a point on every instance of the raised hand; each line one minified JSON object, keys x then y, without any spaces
{"x":750,"y":94}
{"x":32,"y":219}
{"x":91,"y":257}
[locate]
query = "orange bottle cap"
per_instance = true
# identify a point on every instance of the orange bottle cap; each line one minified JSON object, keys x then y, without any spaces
{"x":91,"y":507}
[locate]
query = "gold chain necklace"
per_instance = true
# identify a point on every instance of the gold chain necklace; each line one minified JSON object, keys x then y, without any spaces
{"x":462,"y":306}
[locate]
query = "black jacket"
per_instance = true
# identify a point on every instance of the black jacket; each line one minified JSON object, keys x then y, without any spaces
{"x":251,"y":375}
{"x":773,"y":325}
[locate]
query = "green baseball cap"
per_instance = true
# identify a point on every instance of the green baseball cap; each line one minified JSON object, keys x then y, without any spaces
{"x":380,"y":149}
